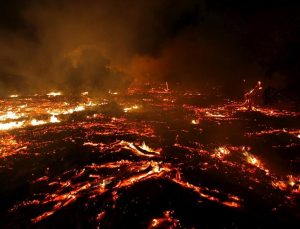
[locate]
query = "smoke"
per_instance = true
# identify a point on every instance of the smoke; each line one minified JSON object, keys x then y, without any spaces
{"x":196,"y":60}
{"x":74,"y":45}
{"x":79,"y":45}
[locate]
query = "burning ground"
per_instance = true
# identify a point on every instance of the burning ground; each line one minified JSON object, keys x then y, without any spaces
{"x":151,"y":157}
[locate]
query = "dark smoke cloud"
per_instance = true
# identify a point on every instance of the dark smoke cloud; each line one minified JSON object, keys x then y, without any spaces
{"x":97,"y":44}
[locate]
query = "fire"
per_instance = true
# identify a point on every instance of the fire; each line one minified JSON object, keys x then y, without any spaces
{"x":250,"y":96}
{"x":251,"y":159}
{"x":72,"y":110}
{"x":113,"y":93}
{"x":54,"y":119}
{"x":136,"y":149}
{"x":148,"y":149}
{"x":11,"y":125}
{"x":167,"y":221}
{"x":54,"y":94}
{"x":195,"y":122}
{"x":127,"y":109}
{"x":167,"y":87}
{"x":14,"y":96}
{"x":291,"y":183}
{"x":10,"y":115}
{"x":221,"y":152}
{"x":217,"y":115}
{"x":123,"y":160}
{"x":35,"y":122}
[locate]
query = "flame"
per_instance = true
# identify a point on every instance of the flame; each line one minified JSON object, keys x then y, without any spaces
{"x":11,"y":125}
{"x":195,"y":122}
{"x":167,"y":87}
{"x":250,"y":96}
{"x":10,"y":115}
{"x":35,"y":122}
{"x":167,"y":221}
{"x":54,"y":119}
{"x":141,"y":162}
{"x":221,"y":152}
{"x":291,"y":183}
{"x":14,"y":96}
{"x":148,"y":149}
{"x":127,"y":109}
{"x":54,"y":94}
{"x":72,"y":110}
{"x":251,"y":159}
{"x":113,"y":93}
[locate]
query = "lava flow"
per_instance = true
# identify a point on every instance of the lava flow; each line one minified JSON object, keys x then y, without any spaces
{"x":152,"y":157}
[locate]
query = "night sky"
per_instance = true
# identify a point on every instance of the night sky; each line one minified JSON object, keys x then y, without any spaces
{"x":75,"y":45}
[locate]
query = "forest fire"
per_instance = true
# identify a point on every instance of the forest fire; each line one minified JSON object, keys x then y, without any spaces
{"x":117,"y":155}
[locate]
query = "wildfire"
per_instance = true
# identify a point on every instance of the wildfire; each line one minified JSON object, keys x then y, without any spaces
{"x":251,"y":159}
{"x":250,"y":96}
{"x":167,"y":221}
{"x":148,"y":149}
{"x":54,"y":119}
{"x":14,"y":96}
{"x":113,"y":92}
{"x":54,"y":94}
{"x":35,"y":122}
{"x":11,"y":125}
{"x":72,"y":110}
{"x":127,"y":109}
{"x":10,"y":115}
{"x":195,"y":122}
{"x":118,"y":158}
{"x":291,"y":183}
{"x":136,"y":149}
{"x":221,"y":152}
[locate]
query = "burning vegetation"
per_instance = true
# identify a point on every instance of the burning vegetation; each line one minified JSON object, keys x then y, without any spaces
{"x":149,"y":157}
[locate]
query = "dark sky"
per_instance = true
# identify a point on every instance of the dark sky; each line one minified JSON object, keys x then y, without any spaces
{"x":96,"y":44}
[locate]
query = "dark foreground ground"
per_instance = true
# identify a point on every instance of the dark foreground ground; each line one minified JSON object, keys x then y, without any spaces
{"x":148,"y":158}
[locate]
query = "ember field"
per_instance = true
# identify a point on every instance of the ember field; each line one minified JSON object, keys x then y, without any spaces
{"x":150,"y":157}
